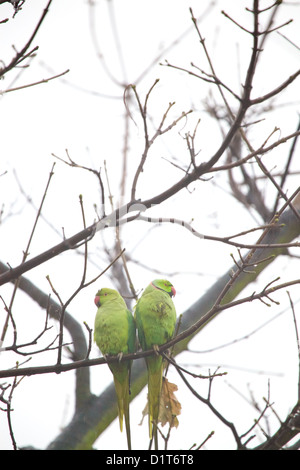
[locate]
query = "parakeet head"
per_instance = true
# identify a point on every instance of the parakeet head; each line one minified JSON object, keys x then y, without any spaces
{"x":104,"y":295}
{"x":164,"y":285}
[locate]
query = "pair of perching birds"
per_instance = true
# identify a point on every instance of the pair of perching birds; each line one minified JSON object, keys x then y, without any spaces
{"x":115,"y":334}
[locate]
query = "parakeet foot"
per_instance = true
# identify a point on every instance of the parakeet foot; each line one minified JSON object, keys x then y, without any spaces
{"x":120,"y":355}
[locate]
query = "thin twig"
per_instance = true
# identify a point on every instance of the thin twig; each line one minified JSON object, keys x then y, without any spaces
{"x":26,"y":253}
{"x":297,"y":340}
{"x":45,"y":80}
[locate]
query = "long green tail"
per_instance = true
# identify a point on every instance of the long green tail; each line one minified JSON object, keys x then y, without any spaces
{"x":122,"y":391}
{"x":155,"y":370}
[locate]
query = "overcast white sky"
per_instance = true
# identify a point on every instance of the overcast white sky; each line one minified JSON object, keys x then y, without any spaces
{"x":84,"y":114}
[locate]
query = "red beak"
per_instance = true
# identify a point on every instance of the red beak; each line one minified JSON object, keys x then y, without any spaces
{"x":173,"y":291}
{"x":97,"y":301}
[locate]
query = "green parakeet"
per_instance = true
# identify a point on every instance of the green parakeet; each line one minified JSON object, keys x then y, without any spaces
{"x":155,"y":317}
{"x":115,"y":334}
